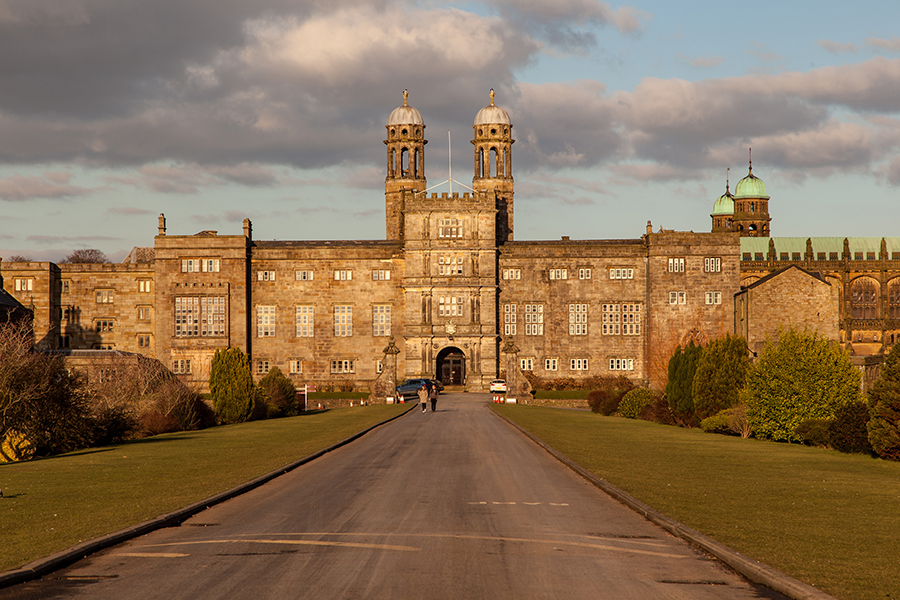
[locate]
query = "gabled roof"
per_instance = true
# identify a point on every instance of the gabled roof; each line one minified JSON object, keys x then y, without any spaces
{"x":775,"y":274}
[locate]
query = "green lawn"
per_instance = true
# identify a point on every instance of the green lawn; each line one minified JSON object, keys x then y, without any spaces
{"x":826,"y":518}
{"x":51,"y":504}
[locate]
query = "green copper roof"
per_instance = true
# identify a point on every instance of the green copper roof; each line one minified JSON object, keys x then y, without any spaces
{"x":724,"y":205}
{"x":750,"y":186}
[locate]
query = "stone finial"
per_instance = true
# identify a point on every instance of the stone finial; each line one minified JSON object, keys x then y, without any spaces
{"x":492,"y":96}
{"x":391,"y":348}
{"x":405,"y":97}
{"x":248,"y":229}
{"x":649,"y":226}
{"x":510,"y":348}
{"x":162,"y":224}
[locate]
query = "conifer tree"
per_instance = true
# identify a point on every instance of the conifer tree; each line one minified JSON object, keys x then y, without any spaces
{"x":884,"y":426}
{"x":231,"y":385}
{"x":682,"y":367}
{"x":720,"y":376}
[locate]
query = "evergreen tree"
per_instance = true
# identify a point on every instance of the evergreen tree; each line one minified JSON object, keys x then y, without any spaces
{"x":720,"y":376}
{"x":682,"y":367}
{"x":231,"y":385}
{"x":280,"y":391}
{"x":884,"y":398}
{"x":802,"y":377}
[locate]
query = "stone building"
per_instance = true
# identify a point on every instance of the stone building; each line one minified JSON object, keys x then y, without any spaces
{"x":446,"y":290}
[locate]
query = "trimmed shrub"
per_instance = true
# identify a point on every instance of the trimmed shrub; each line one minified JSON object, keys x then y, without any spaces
{"x":720,"y":375}
{"x":609,"y":393}
{"x":679,"y":389}
{"x":802,"y":377}
{"x":632,"y":403}
{"x":282,"y":395}
{"x":884,"y":426}
{"x":231,"y":385}
{"x":848,"y":432}
{"x":658,"y":411}
{"x":814,"y":432}
{"x":718,"y":423}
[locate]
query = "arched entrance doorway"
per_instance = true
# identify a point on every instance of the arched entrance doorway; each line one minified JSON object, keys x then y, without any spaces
{"x":451,"y":366}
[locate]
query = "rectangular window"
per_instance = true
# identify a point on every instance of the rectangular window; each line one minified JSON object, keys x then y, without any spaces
{"x":379,"y":366}
{"x":677,"y":298}
{"x":343,"y":321}
{"x":450,"y":306}
{"x":534,"y":319}
{"x":65,"y":286}
{"x":295,"y":366}
{"x":343,"y":275}
{"x":450,"y":265}
{"x":190,"y":265}
{"x":578,"y":364}
{"x":303,"y":319}
{"x":265,"y":321}
{"x":527,"y":364}
{"x":342,"y":366}
{"x":381,"y":320}
{"x":509,"y":319}
{"x":676,"y":265}
{"x":631,"y":319}
{"x":262,"y":367}
{"x":621,"y":273}
{"x":559,"y":273}
{"x":584,"y":273}
{"x":512,"y":273}
{"x":209,"y":265}
{"x":104,"y":326}
{"x":144,"y":313}
{"x":612,"y":319}
{"x":143,"y":286}
{"x":578,"y":318}
{"x":621,"y":364}
{"x":551,"y":364}
{"x":712,"y":265}
{"x":24,"y":285}
{"x":200,"y":316}
{"x":181,"y":366}
{"x":106,"y":296}
{"x":450,"y":228}
{"x":143,"y":341}
{"x":265,"y":275}
{"x":714,"y":297}
{"x":381,"y":275}
{"x":303,"y":275}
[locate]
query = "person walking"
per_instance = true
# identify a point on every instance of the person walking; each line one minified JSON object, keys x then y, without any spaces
{"x":433,"y":395}
{"x":423,"y":397}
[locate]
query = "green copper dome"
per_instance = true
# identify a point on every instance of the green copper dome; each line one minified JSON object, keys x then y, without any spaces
{"x":750,"y":186}
{"x":724,"y":205}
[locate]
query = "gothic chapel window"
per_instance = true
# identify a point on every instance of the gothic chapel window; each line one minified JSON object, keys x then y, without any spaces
{"x":864,"y":298}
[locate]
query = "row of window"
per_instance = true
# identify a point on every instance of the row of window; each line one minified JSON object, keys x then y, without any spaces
{"x":578,"y":364}
{"x":710,"y":265}
{"x":711,"y":297}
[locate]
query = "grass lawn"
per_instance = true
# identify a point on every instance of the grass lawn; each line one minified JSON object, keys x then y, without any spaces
{"x":826,"y":518}
{"x":53,"y":503}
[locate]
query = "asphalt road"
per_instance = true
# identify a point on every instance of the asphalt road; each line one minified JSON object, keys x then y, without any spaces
{"x":447,"y":504}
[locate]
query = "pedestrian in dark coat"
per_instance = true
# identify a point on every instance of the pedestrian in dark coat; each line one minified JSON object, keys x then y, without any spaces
{"x":433,"y":395}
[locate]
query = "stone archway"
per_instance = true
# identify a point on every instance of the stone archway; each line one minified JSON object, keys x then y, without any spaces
{"x":451,"y":366}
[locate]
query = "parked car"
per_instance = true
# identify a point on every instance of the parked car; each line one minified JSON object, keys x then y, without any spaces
{"x":438,"y":385}
{"x":498,"y":386}
{"x":409,"y":389}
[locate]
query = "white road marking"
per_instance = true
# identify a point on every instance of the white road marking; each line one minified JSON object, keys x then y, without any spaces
{"x":152,"y":554}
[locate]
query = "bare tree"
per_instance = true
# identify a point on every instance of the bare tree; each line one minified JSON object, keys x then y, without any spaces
{"x":19,"y":258}
{"x":85,"y":255}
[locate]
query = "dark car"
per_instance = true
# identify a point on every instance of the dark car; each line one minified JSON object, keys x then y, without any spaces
{"x":409,"y":389}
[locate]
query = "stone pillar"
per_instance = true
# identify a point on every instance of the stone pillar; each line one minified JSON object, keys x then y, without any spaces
{"x":517,"y":386}
{"x":385,"y":385}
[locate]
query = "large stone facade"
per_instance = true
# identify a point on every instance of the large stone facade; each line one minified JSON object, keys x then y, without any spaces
{"x":446,"y":290}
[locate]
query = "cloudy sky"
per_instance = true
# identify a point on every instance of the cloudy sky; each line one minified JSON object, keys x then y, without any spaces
{"x":113,"y":111}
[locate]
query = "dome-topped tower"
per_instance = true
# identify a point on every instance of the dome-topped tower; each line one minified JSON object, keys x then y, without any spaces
{"x":493,"y":163}
{"x":751,"y":206}
{"x":723,"y":212}
{"x":405,"y":162}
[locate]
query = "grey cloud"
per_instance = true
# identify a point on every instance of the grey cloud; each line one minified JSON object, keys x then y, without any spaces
{"x":49,"y":185}
{"x":837,"y":47}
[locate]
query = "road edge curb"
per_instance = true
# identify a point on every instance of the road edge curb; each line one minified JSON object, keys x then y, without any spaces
{"x":751,"y":569}
{"x":54,"y":562}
